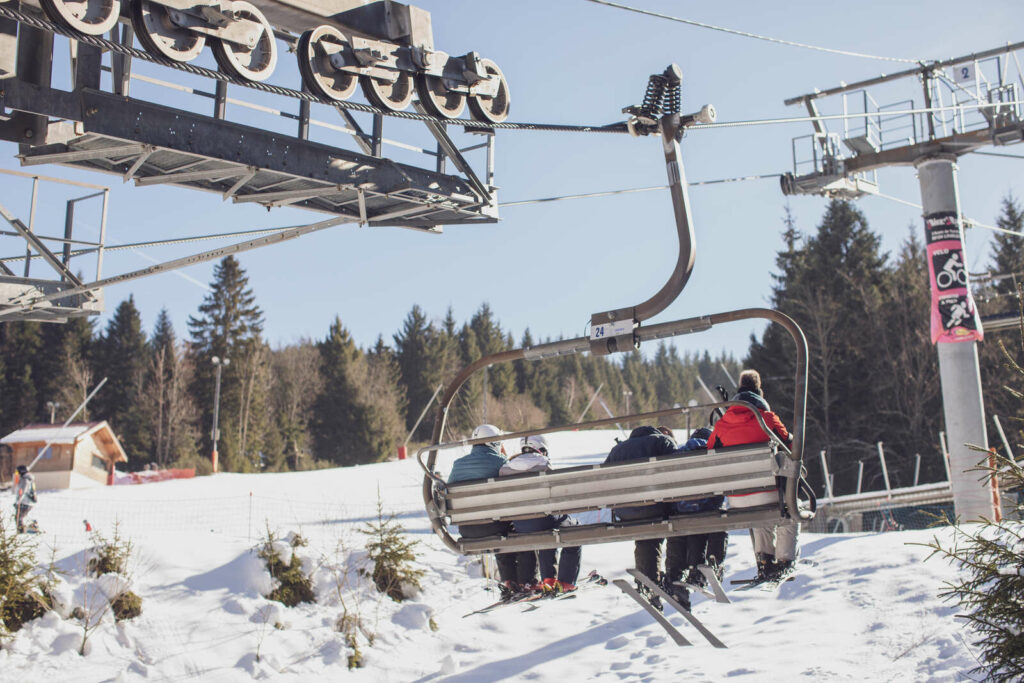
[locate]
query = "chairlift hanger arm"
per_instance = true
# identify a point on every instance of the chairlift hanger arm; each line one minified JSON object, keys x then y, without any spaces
{"x":615,"y":330}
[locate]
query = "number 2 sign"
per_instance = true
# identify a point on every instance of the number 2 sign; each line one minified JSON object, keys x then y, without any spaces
{"x":964,"y":73}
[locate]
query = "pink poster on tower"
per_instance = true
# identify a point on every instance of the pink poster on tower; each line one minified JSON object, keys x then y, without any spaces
{"x":954,"y":315}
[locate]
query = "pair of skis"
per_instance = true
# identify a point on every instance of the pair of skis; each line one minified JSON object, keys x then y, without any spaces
{"x":671,"y":630}
{"x":531,"y":599}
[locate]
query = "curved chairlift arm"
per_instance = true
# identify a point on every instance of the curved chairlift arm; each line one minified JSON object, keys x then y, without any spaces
{"x":615,"y":330}
{"x":582,"y":344}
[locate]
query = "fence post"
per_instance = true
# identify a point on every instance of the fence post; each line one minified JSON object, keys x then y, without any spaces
{"x":885,"y":470}
{"x":824,"y":469}
{"x":945,"y":455}
{"x":860,"y":474}
{"x":917,"y":467}
{"x":1002,"y":435}
{"x":997,"y":505}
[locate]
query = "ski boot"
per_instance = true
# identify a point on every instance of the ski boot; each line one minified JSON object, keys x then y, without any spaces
{"x":765,"y":567}
{"x":649,"y":595}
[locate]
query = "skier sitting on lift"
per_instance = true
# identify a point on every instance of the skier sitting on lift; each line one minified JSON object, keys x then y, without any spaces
{"x":643,"y":443}
{"x":24,"y":497}
{"x":775,"y":547}
{"x":485,"y":461}
{"x":697,"y":549}
{"x":534,"y":458}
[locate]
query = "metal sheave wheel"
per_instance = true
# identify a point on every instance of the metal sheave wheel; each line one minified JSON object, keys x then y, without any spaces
{"x":437,"y":98}
{"x":162,"y":37}
{"x":319,"y":75}
{"x":491,"y":109}
{"x":254,"y":63}
{"x":91,"y":17}
{"x":392,"y":96}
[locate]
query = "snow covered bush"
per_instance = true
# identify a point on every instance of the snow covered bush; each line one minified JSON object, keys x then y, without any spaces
{"x":22,"y":592}
{"x":109,"y":556}
{"x":991,"y":559}
{"x":392,"y":556}
{"x":109,"y":562}
{"x":292,"y":585}
{"x":991,"y":590}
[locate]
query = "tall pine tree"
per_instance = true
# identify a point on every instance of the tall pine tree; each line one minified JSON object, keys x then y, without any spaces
{"x":999,"y":381}
{"x":831,"y":286}
{"x":229,"y":325}
{"x":122,"y":356}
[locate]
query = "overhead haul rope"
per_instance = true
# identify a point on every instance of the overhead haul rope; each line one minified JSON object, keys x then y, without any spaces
{"x":999,"y":154}
{"x":747,"y":34}
{"x":162,"y":243}
{"x":619,"y":127}
{"x":968,"y":222}
{"x":635,"y":189}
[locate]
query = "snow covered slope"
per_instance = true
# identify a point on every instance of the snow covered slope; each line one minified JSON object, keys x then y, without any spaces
{"x":866,"y":609}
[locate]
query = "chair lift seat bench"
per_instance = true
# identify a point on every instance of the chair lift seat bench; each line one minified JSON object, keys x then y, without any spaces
{"x":668,"y":478}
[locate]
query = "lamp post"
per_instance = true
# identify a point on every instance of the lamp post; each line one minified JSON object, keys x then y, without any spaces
{"x":52,"y":405}
{"x":219,"y":363}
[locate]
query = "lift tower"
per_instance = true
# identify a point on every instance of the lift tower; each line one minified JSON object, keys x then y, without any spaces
{"x":969,"y":103}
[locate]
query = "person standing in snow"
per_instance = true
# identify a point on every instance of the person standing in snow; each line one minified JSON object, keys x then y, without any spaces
{"x":685,"y":553}
{"x":643,"y":443}
{"x":485,"y":461}
{"x":775,"y":547}
{"x":24,"y":496}
{"x":534,"y":458}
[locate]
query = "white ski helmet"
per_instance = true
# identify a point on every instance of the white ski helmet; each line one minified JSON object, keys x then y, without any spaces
{"x":488,"y":430}
{"x":534,"y":443}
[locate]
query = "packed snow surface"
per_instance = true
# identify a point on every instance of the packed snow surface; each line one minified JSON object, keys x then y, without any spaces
{"x":864,"y":606}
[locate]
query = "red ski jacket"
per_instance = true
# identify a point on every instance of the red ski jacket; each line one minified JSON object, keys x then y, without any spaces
{"x":739,"y":426}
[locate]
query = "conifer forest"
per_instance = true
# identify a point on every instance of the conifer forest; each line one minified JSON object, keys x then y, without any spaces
{"x":327,"y":402}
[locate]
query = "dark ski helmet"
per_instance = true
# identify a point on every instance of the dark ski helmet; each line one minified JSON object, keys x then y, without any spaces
{"x":22,"y":470}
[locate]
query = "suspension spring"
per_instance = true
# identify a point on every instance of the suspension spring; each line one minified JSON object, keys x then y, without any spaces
{"x":654,"y":96}
{"x":673,"y":98}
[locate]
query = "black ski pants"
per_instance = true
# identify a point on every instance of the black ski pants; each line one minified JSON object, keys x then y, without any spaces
{"x":706,"y":548}
{"x":564,"y":565}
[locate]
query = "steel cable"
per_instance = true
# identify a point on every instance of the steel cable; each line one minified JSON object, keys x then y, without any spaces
{"x":747,"y":34}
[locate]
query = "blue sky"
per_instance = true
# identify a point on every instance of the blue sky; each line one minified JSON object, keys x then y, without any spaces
{"x":548,"y":267}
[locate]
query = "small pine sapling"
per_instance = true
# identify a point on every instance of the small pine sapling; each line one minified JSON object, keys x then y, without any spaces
{"x":293,"y":586}
{"x":990,"y":556}
{"x":392,"y":556}
{"x":113,"y":556}
{"x":990,"y":588}
{"x":22,"y":592}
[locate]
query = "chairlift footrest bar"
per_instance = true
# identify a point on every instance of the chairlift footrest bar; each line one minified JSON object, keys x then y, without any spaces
{"x":671,"y":630}
{"x":685,"y":613}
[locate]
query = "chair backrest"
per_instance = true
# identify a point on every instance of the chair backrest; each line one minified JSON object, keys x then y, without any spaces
{"x":694,"y":475}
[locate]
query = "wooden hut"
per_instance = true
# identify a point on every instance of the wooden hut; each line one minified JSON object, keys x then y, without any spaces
{"x":80,"y":455}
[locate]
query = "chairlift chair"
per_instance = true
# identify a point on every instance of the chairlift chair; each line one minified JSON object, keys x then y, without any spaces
{"x":761,"y":467}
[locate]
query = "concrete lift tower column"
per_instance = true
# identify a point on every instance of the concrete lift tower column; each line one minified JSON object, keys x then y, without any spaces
{"x":963,"y":111}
